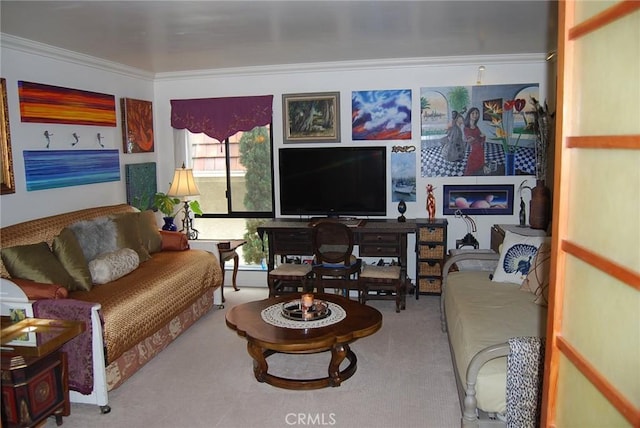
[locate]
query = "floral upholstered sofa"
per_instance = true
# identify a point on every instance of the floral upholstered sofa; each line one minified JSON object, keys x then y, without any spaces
{"x":136,"y":288}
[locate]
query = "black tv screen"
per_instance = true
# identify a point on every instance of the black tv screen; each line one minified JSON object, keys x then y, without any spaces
{"x":336,"y":181}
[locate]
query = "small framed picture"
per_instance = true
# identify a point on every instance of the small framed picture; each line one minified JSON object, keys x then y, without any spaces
{"x":311,"y":117}
{"x":478,"y":199}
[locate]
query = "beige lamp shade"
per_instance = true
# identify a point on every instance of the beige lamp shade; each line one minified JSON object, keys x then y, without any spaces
{"x":183,"y":183}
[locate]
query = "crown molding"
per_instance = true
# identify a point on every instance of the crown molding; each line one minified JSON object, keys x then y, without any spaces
{"x":36,"y":48}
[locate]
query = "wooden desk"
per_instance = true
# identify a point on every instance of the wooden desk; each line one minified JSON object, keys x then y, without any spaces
{"x":374,"y":238}
{"x":34,"y":371}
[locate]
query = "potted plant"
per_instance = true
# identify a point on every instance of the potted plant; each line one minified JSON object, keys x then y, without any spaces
{"x":166,"y":205}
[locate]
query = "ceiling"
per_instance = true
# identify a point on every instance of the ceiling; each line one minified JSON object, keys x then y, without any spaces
{"x":172,"y":36}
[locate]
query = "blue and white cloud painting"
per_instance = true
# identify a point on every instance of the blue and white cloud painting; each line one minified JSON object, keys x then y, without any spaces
{"x":381,"y":115}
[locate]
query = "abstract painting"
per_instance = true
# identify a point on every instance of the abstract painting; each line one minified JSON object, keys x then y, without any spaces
{"x":49,"y":169}
{"x":381,"y":115}
{"x":141,"y":184}
{"x":137,"y":125}
{"x":53,"y":104}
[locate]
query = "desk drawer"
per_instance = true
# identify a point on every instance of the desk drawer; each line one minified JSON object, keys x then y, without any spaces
{"x":380,"y":238}
{"x":372,"y":250}
{"x":292,"y":242}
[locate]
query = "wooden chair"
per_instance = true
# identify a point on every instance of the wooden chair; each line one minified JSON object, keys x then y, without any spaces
{"x":334,"y":265}
{"x":289,"y":278}
{"x":383,"y":283}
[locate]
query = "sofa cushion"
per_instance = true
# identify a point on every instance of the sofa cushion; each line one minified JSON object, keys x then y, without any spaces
{"x":128,"y":234}
{"x":149,"y":232}
{"x":37,"y":263}
{"x":111,"y":266}
{"x":538,"y":277}
{"x":67,"y":250}
{"x":97,"y":236}
{"x":516,"y":257}
{"x":39,"y":290}
{"x":174,"y":241}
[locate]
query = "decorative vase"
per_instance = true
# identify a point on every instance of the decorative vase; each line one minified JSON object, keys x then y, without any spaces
{"x":509,"y":163}
{"x":540,"y":206}
{"x":168,"y":224}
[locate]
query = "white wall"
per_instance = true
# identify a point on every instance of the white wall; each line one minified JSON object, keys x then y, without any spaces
{"x":62,"y":68}
{"x":33,"y":62}
{"x":348,"y":77}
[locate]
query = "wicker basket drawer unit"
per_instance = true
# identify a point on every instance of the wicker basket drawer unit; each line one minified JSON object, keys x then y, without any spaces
{"x":431,"y":248}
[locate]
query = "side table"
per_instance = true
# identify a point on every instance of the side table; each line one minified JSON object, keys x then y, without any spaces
{"x":34,"y":372}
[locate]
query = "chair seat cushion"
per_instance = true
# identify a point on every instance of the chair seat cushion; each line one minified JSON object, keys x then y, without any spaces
{"x":291,"y":269}
{"x":381,"y":272}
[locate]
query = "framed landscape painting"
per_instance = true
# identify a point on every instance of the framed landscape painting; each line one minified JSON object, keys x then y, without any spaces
{"x":311,"y":117}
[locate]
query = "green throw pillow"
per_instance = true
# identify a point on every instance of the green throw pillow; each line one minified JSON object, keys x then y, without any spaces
{"x":149,"y":232}
{"x":68,"y":251}
{"x":128,"y":235}
{"x":37,"y":263}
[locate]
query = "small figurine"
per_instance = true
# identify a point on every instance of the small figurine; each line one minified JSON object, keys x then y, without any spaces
{"x":75,"y":137}
{"x":48,"y":136}
{"x":523,"y":215}
{"x":431,"y":202}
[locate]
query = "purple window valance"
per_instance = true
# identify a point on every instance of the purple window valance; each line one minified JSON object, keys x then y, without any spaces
{"x":221,"y":118}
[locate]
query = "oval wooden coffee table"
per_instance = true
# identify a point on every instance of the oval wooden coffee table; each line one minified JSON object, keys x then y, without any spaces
{"x":265,"y":339}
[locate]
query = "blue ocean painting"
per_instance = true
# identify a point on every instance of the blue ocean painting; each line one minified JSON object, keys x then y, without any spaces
{"x":49,"y":169}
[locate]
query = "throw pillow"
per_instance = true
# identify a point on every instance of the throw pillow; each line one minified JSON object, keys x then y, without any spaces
{"x":174,"y":241}
{"x":67,"y":250}
{"x":539,"y":273}
{"x":37,"y":263}
{"x":39,"y":290}
{"x":128,"y":234}
{"x":111,"y":266}
{"x":516,"y":257}
{"x":149,"y":231}
{"x":97,"y":236}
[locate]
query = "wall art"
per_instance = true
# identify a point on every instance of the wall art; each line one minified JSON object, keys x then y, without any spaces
{"x":141,"y":184}
{"x":48,"y":169}
{"x":53,"y":104}
{"x":137,"y":125}
{"x":7,"y":184}
{"x":477,"y":130}
{"x":311,"y":117}
{"x":381,"y":115}
{"x":403,"y":173}
{"x":493,"y":199}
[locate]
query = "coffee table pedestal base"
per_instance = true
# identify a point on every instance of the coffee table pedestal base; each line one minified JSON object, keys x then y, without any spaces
{"x":338,"y":353}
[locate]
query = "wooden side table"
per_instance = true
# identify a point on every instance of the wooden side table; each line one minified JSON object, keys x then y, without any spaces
{"x":34,"y":372}
{"x":227,"y":250}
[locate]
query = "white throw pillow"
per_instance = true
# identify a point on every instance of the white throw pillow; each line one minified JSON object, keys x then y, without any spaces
{"x":516,"y":257}
{"x":111,"y":266}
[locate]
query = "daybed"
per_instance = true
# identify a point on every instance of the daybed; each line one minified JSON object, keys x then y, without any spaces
{"x":132,"y":318}
{"x":483,"y":317}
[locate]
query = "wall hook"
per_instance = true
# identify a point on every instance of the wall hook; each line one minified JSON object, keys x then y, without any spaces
{"x":480,"y":73}
{"x":48,"y":136}
{"x":75,"y":137}
{"x":100,"y":137}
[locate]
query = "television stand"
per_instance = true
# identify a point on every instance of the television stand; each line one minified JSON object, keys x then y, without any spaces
{"x":347,"y":221}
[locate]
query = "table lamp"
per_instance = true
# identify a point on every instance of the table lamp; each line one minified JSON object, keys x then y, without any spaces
{"x":183,"y":186}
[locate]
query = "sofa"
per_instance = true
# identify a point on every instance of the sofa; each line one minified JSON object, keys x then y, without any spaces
{"x":134,"y":299}
{"x":486,"y":313}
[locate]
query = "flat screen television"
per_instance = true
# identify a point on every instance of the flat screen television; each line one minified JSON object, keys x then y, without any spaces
{"x":333,"y":181}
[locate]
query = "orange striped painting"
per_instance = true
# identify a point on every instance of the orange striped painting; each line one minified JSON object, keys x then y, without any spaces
{"x":52,"y":104}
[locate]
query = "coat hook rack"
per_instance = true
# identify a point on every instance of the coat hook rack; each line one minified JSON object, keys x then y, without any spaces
{"x":47,"y":136}
{"x":76,"y":137}
{"x":100,"y":137}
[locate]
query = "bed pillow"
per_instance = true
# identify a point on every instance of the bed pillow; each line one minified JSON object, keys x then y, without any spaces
{"x":67,"y":250}
{"x":516,"y":257}
{"x":128,"y":234}
{"x":538,"y":276}
{"x":111,"y":266}
{"x":39,"y":290}
{"x":37,"y":263}
{"x":149,"y":231}
{"x":97,"y":236}
{"x":174,"y":241}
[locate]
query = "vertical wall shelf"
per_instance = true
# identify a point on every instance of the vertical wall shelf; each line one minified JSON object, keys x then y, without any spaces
{"x":431,"y":250}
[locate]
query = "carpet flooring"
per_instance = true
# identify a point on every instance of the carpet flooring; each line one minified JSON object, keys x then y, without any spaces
{"x":205,"y":379}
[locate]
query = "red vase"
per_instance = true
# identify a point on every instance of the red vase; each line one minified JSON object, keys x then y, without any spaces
{"x":540,"y":206}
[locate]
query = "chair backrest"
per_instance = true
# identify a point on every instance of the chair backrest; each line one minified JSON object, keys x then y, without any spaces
{"x":332,"y":243}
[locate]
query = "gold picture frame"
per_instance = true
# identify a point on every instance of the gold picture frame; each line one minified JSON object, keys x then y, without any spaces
{"x":311,"y":117}
{"x":7,"y":183}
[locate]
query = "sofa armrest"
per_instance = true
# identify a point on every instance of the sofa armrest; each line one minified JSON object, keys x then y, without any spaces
{"x":481,"y":256}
